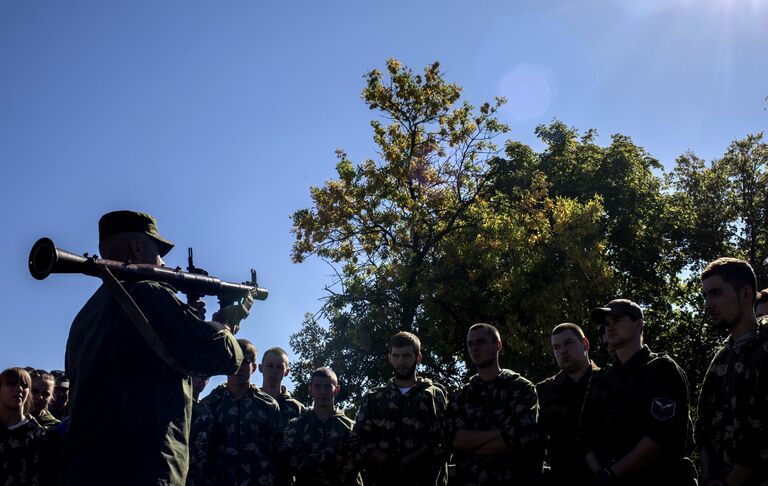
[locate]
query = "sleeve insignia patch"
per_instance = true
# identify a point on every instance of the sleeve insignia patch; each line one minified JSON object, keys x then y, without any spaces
{"x":663,"y":408}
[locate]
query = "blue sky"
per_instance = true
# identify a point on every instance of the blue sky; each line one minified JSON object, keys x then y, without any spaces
{"x":217,"y":117}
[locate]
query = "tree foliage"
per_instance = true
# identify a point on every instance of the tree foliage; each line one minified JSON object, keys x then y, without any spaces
{"x":447,"y":226}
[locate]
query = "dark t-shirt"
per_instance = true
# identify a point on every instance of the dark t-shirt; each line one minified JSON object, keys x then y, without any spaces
{"x":645,"y":397}
{"x":560,"y":402}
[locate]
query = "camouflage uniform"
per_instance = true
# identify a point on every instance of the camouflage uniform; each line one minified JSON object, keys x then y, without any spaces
{"x":244,"y":436}
{"x":560,"y":401}
{"x":310,"y":447}
{"x":645,"y":397}
{"x":399,"y":424}
{"x":129,"y":411}
{"x":20,"y":454}
{"x":733,"y":406}
{"x":46,"y":419}
{"x":508,"y":403}
{"x":290,"y":408}
{"x":199,"y":446}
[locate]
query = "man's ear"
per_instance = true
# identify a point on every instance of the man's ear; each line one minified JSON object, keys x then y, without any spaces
{"x":260,"y":369}
{"x":135,"y":248}
{"x":336,"y":390}
{"x":287,"y":370}
{"x":585,"y":342}
{"x":418,"y":358}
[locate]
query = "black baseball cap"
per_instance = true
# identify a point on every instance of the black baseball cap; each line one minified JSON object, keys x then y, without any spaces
{"x":133,"y":221}
{"x":616,"y":308}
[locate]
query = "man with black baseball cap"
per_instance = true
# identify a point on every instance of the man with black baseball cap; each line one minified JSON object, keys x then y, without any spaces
{"x":131,"y":398}
{"x":635,"y":428}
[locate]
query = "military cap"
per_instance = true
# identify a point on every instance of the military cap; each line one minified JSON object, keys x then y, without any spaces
{"x":133,"y":221}
{"x":617,"y":308}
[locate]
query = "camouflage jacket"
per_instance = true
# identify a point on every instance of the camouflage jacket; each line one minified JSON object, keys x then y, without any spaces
{"x":733,"y":406}
{"x":647,"y":396}
{"x":121,"y":388}
{"x":560,"y":401}
{"x":508,"y":403}
{"x":244,"y":436}
{"x":400,"y":424}
{"x":20,"y":454}
{"x":290,"y":408}
{"x":46,"y":419}
{"x":200,"y":456}
{"x":311,"y":447}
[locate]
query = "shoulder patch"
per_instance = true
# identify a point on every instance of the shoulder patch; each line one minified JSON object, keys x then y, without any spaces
{"x":663,"y":408}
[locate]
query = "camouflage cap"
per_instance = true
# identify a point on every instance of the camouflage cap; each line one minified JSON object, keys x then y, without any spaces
{"x":133,"y":221}
{"x":616,"y":308}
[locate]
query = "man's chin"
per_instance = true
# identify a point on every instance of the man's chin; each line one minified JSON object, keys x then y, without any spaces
{"x":407,"y":376}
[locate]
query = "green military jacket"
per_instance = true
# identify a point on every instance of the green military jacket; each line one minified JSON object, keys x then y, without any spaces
{"x":46,"y":419}
{"x":647,"y":396}
{"x":130,"y":412}
{"x":244,"y":437}
{"x":508,"y":403}
{"x":290,"y":408}
{"x":20,"y":461}
{"x":733,"y":406}
{"x":560,"y":401}
{"x":200,"y":456}
{"x":400,"y":424}
{"x":311,"y":447}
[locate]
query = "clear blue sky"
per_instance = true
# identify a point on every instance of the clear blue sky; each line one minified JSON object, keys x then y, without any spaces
{"x":217,"y":117}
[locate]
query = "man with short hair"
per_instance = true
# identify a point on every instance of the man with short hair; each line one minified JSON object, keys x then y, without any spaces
{"x":492,"y":420}
{"x":59,"y":406}
{"x":397,"y":435}
{"x":316,"y":443}
{"x":246,"y":427}
{"x":732,"y":424}
{"x":560,"y":399}
{"x":42,"y":393}
{"x":761,"y":303}
{"x":130,"y":410}
{"x":274,"y":367}
{"x":634,"y":427}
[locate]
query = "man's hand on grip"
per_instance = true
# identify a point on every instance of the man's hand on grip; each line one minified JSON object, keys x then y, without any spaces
{"x":231,"y":315}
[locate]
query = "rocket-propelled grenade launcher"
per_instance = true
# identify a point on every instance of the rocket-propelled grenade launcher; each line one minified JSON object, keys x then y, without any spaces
{"x":45,"y":259}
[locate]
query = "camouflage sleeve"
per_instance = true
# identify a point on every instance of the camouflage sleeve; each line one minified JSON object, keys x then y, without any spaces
{"x":752,"y":447}
{"x":437,"y":429}
{"x":453,"y":421}
{"x":704,"y":412}
{"x":362,"y":440}
{"x":298,"y":458}
{"x":519,"y":427}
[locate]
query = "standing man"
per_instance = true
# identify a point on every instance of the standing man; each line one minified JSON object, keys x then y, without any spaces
{"x":732,"y":425}
{"x":398,"y":431}
{"x":634,"y":426}
{"x":246,"y":427}
{"x":42,"y":394}
{"x":129,"y":410}
{"x":492,"y":419}
{"x":60,"y":404}
{"x":274,"y":367}
{"x":315,"y":444}
{"x":560,"y":400}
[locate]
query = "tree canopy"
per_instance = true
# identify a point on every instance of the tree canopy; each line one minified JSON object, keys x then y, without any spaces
{"x":449,"y":225}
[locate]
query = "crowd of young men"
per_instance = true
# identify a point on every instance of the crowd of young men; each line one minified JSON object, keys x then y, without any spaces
{"x":625,"y":424}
